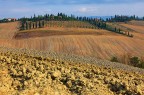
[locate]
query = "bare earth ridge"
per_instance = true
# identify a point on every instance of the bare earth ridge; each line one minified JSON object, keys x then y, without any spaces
{"x":30,"y":72}
{"x":86,"y":42}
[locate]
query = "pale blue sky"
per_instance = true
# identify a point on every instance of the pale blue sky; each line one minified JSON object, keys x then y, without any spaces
{"x":20,"y":8}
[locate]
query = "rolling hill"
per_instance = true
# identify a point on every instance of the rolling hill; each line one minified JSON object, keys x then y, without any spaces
{"x":67,"y":61}
{"x":82,"y":41}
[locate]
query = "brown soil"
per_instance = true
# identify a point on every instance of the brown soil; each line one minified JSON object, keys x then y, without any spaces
{"x":28,"y":72}
{"x":86,"y":42}
{"x":25,"y":73}
{"x":45,"y":33}
{"x":57,"y":31}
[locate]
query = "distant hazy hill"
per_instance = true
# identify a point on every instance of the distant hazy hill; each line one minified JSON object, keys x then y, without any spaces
{"x":103,"y":17}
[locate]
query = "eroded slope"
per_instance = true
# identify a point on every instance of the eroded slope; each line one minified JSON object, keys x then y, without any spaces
{"x":29,"y":73}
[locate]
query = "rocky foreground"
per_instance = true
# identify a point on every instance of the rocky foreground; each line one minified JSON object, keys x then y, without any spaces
{"x":24,"y":73}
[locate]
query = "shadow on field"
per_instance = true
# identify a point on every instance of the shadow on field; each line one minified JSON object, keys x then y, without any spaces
{"x":44,"y":33}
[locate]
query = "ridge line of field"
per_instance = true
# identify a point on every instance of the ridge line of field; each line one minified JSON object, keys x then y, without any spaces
{"x":75,"y":59}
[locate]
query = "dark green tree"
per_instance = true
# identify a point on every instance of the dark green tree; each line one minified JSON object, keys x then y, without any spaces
{"x":114,"y":59}
{"x":134,"y":61}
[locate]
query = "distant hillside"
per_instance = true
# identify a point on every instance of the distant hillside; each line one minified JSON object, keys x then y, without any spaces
{"x":102,"y":17}
{"x":138,"y":23}
{"x":42,"y":21}
{"x":63,"y":24}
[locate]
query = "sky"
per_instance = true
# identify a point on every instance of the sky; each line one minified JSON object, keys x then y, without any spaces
{"x":27,"y":8}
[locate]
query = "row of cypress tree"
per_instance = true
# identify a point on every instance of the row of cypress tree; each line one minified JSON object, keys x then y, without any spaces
{"x":40,"y":21}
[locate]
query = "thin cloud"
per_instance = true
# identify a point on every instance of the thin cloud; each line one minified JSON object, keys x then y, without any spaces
{"x":87,"y":9}
{"x":21,"y":10}
{"x":83,"y":10}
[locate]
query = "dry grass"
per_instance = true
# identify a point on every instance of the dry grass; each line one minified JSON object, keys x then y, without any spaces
{"x":138,"y":23}
{"x":136,"y":28}
{"x":7,"y":30}
{"x":70,"y":24}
